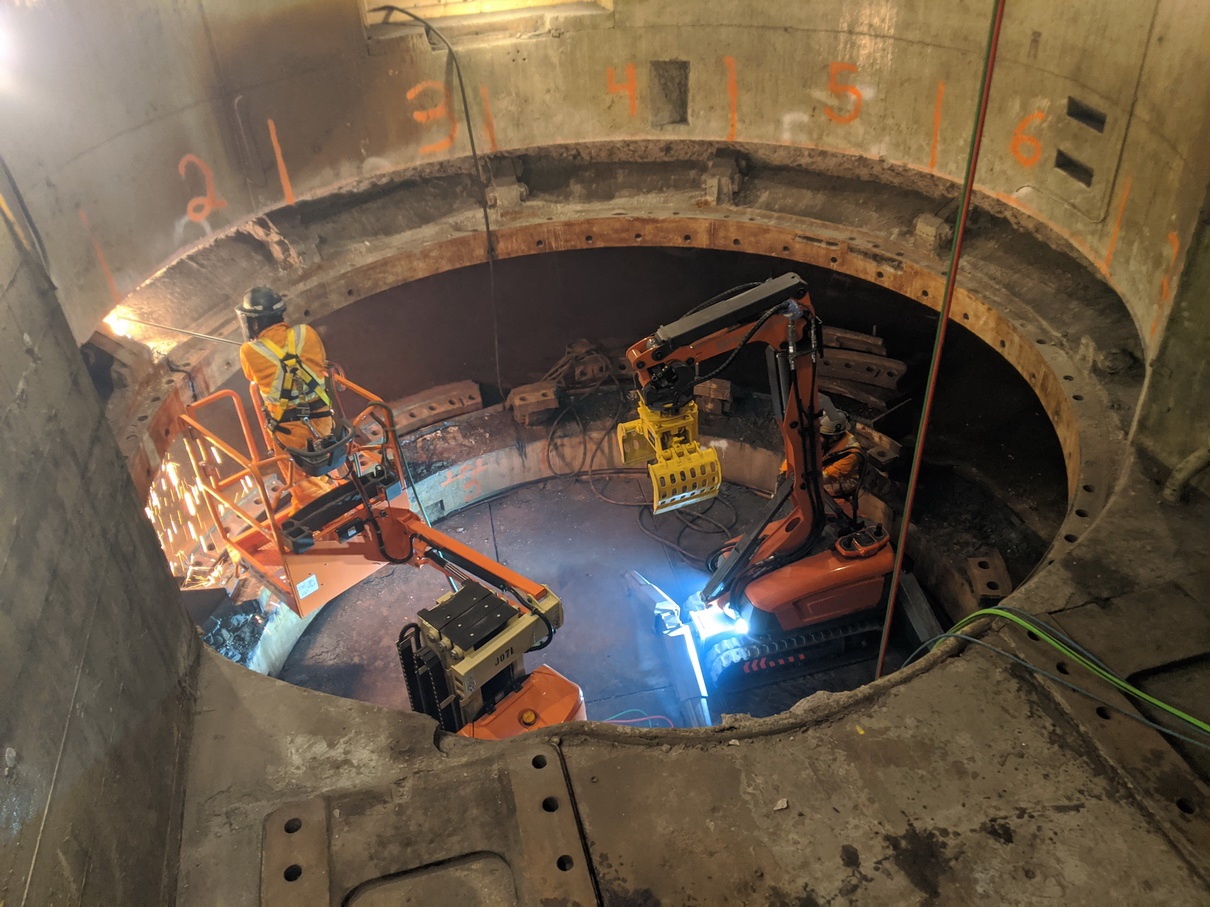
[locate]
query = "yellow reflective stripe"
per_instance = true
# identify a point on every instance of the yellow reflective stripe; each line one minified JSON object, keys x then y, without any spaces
{"x":277,"y":405}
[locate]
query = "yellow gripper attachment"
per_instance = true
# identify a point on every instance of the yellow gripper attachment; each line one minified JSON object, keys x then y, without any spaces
{"x":681,"y":471}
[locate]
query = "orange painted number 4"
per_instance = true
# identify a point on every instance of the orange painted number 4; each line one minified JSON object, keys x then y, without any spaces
{"x":1026,"y":148}
{"x":840,"y":89}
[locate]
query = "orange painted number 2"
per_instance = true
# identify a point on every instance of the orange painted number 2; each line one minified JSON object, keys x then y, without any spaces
{"x":1027,"y":149}
{"x":202,"y":206}
{"x":840,"y":89}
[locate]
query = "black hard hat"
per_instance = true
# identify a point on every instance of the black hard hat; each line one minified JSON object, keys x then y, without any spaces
{"x":260,"y":302}
{"x":260,"y":308}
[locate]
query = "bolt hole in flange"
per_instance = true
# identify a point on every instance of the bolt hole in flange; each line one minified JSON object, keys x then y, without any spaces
{"x":293,"y":873}
{"x":550,"y":804}
{"x":292,"y":826}
{"x":539,"y":761}
{"x":565,"y":863}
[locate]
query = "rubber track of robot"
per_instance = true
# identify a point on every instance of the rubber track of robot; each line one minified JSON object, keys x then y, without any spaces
{"x":725,"y":660}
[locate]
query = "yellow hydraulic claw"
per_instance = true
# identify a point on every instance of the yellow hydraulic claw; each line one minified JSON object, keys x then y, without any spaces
{"x":681,"y":471}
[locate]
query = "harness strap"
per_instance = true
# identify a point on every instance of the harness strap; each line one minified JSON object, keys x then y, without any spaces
{"x":294,"y":382}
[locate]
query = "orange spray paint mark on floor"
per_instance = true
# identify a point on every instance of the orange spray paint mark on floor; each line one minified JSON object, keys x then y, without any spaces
{"x":287,"y":189}
{"x":630,"y":87}
{"x":936,"y":126}
{"x":732,"y":97}
{"x":1117,"y":226}
{"x":489,"y":121}
{"x":100,"y":254}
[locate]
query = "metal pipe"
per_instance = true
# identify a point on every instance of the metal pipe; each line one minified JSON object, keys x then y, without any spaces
{"x":951,"y":279}
{"x":164,"y":327}
{"x":1183,"y":474}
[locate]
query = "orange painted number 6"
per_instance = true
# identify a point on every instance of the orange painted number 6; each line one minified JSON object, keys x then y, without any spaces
{"x":1027,"y":149}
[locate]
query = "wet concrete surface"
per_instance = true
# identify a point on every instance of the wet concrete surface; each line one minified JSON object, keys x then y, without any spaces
{"x":561,"y":534}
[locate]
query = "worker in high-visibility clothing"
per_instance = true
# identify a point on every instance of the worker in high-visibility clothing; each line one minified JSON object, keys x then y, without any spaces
{"x":843,"y":457}
{"x":287,"y":363}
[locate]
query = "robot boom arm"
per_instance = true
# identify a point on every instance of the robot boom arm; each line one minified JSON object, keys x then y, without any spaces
{"x":778,"y":314}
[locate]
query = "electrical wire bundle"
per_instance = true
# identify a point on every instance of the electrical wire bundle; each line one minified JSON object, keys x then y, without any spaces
{"x":1070,"y":649}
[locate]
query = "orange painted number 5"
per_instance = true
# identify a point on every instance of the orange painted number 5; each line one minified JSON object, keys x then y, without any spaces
{"x":840,"y":89}
{"x":1027,"y":149}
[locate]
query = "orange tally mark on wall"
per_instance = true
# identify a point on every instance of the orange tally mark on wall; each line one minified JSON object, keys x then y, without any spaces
{"x":439,"y":111}
{"x":835,"y":69}
{"x":732,"y":98}
{"x":1117,"y":226}
{"x":1174,"y":242}
{"x":202,"y":206}
{"x":936,"y":126}
{"x":489,"y":121}
{"x":630,"y":87}
{"x":100,"y":255}
{"x":287,"y":190}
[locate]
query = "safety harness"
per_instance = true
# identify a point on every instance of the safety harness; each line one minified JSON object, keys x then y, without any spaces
{"x":297,"y":391}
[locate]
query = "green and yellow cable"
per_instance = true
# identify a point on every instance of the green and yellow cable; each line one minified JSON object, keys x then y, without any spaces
{"x":1077,"y":654}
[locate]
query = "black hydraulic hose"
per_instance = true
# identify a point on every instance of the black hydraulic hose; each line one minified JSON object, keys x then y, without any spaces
{"x":550,"y":632}
{"x":743,"y":343}
{"x":726,"y":294}
{"x":372,"y":519}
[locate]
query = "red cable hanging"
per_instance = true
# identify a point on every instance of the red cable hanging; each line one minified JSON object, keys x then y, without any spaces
{"x":951,"y":279}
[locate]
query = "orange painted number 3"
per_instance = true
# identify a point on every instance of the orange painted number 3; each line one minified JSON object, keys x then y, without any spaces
{"x":1027,"y":149}
{"x":840,"y":89}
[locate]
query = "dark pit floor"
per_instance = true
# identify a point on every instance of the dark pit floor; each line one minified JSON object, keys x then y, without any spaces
{"x":558,"y":533}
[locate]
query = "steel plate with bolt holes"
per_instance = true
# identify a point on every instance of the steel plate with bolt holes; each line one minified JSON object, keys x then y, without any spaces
{"x":988,"y":575}
{"x":294,"y":856}
{"x":553,"y":865}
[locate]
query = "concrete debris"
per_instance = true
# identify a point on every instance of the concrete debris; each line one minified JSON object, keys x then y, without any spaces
{"x":723,"y":179}
{"x":235,"y":629}
{"x":781,"y":804}
{"x":263,"y":230}
{"x":933,"y":233}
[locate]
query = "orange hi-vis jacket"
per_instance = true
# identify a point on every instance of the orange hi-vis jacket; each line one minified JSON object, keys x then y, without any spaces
{"x":287,"y":364}
{"x":842,"y":472}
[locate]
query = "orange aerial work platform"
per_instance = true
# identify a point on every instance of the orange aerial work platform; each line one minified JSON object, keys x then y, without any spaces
{"x":311,"y":524}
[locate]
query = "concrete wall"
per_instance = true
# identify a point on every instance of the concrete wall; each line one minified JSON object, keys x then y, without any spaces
{"x":139,"y":126}
{"x":94,"y":645}
{"x":1176,"y":419}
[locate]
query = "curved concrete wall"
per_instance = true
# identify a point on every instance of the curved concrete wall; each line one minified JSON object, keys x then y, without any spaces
{"x":138,"y":128}
{"x":95,"y":652}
